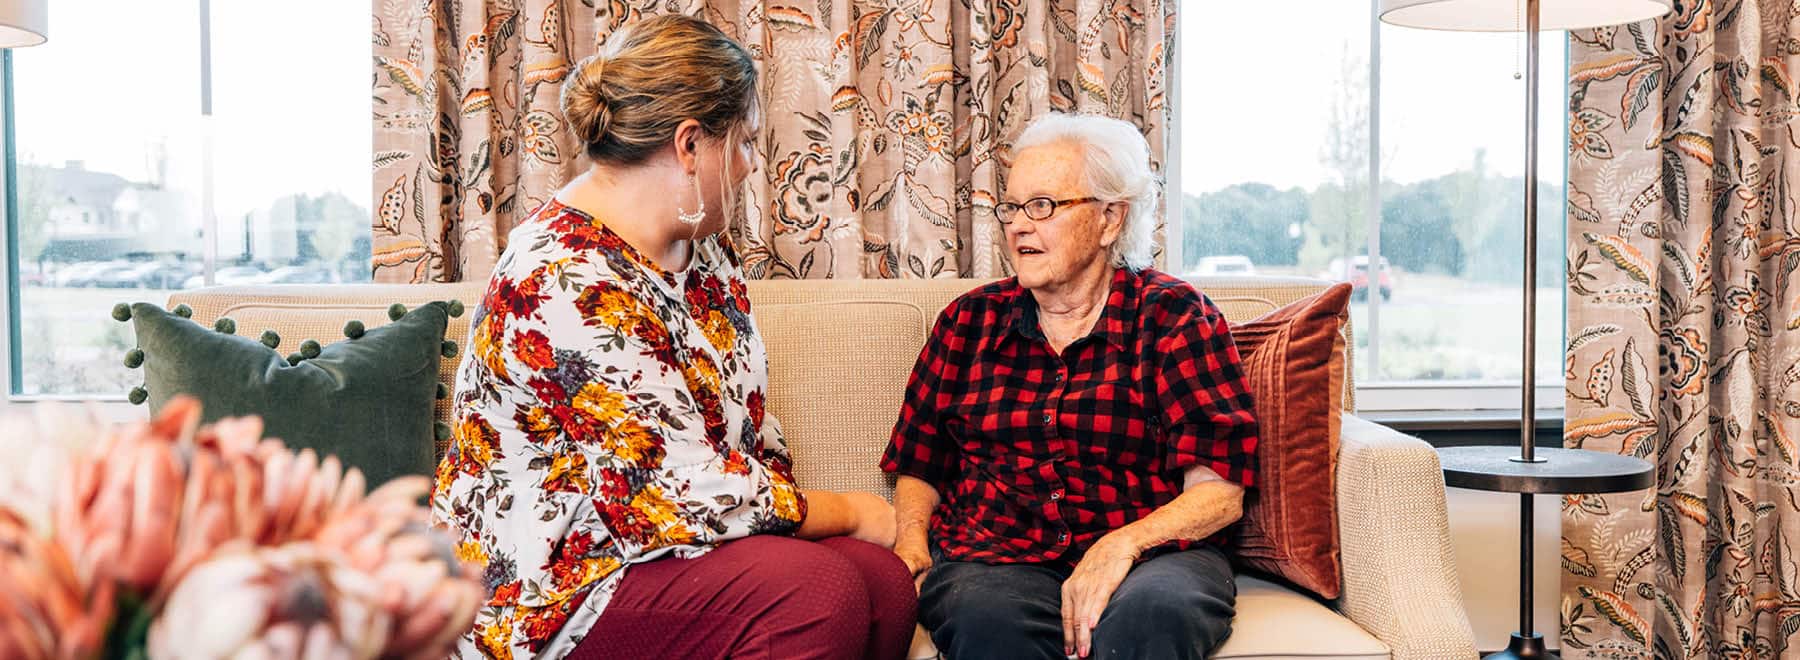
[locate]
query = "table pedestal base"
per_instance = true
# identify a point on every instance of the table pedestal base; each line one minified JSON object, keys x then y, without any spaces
{"x":1550,"y":470}
{"x":1524,"y":648}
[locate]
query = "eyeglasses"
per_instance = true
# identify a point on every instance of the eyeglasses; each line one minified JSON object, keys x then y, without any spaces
{"x":1036,"y":208}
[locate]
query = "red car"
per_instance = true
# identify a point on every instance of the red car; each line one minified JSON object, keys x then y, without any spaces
{"x":1358,"y":276}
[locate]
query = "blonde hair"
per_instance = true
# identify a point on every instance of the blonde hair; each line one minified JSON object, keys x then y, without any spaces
{"x":1116,"y":165}
{"x":625,"y":101}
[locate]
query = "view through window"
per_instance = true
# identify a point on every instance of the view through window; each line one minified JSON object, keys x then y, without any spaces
{"x":1275,"y":172}
{"x":119,"y":166}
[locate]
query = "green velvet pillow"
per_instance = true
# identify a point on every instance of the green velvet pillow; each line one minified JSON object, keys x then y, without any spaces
{"x":367,"y":399}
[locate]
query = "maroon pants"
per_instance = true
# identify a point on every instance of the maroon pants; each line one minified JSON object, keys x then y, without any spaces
{"x":761,"y":597}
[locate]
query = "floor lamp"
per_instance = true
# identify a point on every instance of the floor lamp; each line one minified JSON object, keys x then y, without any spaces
{"x":23,"y":23}
{"x":1530,"y":471}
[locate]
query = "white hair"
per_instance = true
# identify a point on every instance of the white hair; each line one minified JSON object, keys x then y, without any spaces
{"x":1116,"y":165}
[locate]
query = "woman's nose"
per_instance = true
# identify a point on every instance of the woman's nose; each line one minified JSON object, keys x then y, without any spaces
{"x":1020,"y":226}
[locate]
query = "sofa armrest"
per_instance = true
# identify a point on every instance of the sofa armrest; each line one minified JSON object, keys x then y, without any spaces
{"x":1400,"y":579}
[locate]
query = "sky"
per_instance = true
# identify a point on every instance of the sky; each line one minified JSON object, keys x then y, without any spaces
{"x":1258,"y":80}
{"x":1257,"y":83}
{"x":120,"y":80}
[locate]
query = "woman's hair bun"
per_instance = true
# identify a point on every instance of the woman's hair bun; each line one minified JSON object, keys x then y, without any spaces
{"x":584,"y":101}
{"x":625,"y":102}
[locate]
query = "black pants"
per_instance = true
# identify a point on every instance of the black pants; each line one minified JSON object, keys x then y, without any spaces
{"x":1178,"y":605}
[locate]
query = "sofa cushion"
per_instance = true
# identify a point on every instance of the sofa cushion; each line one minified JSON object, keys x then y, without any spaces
{"x":321,"y":311}
{"x":1293,"y":360}
{"x":365,"y":399}
{"x":1243,"y":298}
{"x":840,"y":369}
{"x":1275,"y":623}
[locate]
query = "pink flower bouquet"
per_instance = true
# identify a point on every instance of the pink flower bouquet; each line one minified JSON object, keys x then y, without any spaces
{"x":166,"y":539}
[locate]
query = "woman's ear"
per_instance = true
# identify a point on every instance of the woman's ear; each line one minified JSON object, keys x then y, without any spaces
{"x":1112,"y":217}
{"x":687,"y":144}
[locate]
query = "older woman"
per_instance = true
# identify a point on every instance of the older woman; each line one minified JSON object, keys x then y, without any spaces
{"x":613,"y":464}
{"x":1074,"y":438}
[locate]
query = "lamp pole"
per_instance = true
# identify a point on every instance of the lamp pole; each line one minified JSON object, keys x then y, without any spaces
{"x":1533,"y":644}
{"x":1528,"y":393}
{"x":1530,"y":471}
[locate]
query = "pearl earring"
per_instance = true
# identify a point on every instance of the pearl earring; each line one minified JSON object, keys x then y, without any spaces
{"x":699,"y":214}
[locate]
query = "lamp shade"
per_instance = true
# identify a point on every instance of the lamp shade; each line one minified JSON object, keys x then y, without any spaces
{"x":24,"y":23}
{"x":1508,"y":15}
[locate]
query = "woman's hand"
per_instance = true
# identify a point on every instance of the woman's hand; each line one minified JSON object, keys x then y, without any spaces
{"x":861,"y":516}
{"x":873,"y":518}
{"x":914,"y":500}
{"x":917,"y":556}
{"x":1088,"y":590}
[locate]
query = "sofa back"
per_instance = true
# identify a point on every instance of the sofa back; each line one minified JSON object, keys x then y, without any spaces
{"x":840,"y":351}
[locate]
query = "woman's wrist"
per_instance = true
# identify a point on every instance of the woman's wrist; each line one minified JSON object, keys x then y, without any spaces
{"x":827,"y":514}
{"x":913,"y":531}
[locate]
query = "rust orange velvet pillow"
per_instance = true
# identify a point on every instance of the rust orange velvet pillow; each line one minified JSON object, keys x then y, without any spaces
{"x":1293,"y":358}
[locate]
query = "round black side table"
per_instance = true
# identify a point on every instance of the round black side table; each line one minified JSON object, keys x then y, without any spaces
{"x":1547,"y":470}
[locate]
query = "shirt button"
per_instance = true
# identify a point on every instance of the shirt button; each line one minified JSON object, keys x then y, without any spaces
{"x":1056,"y":494}
{"x":1047,"y":418}
{"x":1062,"y":537}
{"x":1059,"y":377}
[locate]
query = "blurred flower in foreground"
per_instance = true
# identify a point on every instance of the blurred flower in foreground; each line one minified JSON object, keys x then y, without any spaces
{"x":37,"y":446}
{"x":181,"y":529}
{"x":290,"y":601}
{"x":45,"y":612}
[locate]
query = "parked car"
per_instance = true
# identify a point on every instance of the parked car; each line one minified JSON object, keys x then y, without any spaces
{"x":32,"y":275}
{"x":233,"y":275}
{"x":82,"y":274}
{"x":1359,"y":277}
{"x":170,"y":274}
{"x":128,"y":276}
{"x":1235,"y":264}
{"x":102,"y":275}
{"x":299,"y":275}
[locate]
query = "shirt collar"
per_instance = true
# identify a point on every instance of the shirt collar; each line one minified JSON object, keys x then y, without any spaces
{"x":1022,"y":319}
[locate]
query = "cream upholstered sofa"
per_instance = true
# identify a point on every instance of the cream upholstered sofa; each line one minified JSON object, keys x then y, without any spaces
{"x":840,"y":353}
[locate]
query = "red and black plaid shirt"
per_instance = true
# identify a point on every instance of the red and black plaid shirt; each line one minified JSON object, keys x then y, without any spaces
{"x":1036,"y":455}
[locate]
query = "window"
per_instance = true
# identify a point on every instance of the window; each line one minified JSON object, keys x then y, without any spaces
{"x":142,"y":140}
{"x":1274,"y":177}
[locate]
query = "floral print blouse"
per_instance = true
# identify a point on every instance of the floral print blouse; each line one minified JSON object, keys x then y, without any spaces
{"x":608,"y":413}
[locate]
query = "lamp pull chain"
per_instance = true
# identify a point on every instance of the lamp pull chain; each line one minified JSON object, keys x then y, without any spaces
{"x":1518,"y":19}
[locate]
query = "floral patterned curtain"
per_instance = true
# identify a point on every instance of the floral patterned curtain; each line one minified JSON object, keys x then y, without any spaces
{"x":1684,"y":177}
{"x":888,"y":136}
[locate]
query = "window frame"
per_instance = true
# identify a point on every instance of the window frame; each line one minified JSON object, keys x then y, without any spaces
{"x":12,"y":338}
{"x":1377,"y":396}
{"x":9,"y":238}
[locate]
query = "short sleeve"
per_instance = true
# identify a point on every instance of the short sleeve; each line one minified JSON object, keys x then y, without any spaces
{"x":919,"y":446}
{"x":1208,"y":412}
